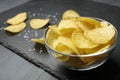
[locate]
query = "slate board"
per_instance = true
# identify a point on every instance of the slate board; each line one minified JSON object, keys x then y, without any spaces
{"x":54,"y":9}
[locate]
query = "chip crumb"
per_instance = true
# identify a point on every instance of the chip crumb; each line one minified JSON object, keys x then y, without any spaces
{"x":34,"y":14}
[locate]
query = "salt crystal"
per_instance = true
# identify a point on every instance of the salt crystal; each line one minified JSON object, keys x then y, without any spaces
{"x":41,"y":9}
{"x":28,"y":31}
{"x":26,"y":36}
{"x":30,"y":50}
{"x":33,"y":49}
{"x":41,"y":51}
{"x":36,"y":34}
{"x":34,"y":14}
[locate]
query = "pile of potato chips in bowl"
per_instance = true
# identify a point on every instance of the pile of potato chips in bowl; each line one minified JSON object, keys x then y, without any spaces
{"x":80,"y":43}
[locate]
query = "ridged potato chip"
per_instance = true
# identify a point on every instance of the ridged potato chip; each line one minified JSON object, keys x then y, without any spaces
{"x":100,"y":35}
{"x":70,"y":14}
{"x":15,"y":28}
{"x":40,"y":40}
{"x":81,"y":41}
{"x":21,"y":17}
{"x":38,"y":23}
{"x":91,"y":21}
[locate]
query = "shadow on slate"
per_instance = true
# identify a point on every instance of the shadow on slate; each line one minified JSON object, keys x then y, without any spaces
{"x":110,"y":70}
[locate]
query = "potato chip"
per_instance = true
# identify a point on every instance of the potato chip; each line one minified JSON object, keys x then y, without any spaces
{"x":38,"y":23}
{"x":100,"y":35}
{"x":83,"y":26}
{"x":70,"y":14}
{"x":81,"y":41}
{"x":66,"y":26}
{"x":103,"y":24}
{"x":55,"y":29}
{"x":89,"y":21}
{"x":61,"y":57}
{"x":40,"y":40}
{"x":97,"y":49}
{"x":68,"y":42}
{"x":57,"y":45}
{"x":15,"y":28}
{"x":21,"y":17}
{"x":51,"y":35}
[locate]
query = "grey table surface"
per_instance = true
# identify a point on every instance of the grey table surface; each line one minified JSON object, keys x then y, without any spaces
{"x":13,"y":65}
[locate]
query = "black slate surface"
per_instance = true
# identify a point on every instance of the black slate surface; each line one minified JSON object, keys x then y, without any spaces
{"x":54,"y":9}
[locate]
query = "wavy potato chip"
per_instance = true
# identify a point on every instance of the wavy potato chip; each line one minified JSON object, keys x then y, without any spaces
{"x":81,"y":41}
{"x":91,"y":21}
{"x":15,"y":28}
{"x":66,"y":26}
{"x":21,"y":17}
{"x":51,"y":35}
{"x":55,"y":29}
{"x":68,"y":42}
{"x":40,"y":40}
{"x":57,"y":45}
{"x":84,"y":26}
{"x":70,"y":14}
{"x":38,"y":23}
{"x":100,"y":35}
{"x":103,"y":24}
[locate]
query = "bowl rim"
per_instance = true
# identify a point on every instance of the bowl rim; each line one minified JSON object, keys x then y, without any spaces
{"x":84,"y":55}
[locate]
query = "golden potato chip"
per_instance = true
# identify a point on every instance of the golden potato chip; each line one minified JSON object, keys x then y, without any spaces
{"x":68,"y":42}
{"x":40,"y":40}
{"x":70,"y":14}
{"x":61,"y":57}
{"x":103,"y":24}
{"x":97,"y":49}
{"x":38,"y":23}
{"x":21,"y":17}
{"x":100,"y":35}
{"x":55,"y":29}
{"x":84,"y":26}
{"x":57,"y":45}
{"x":51,"y":35}
{"x":81,"y":41}
{"x":90,"y":21}
{"x":66,"y":26}
{"x":15,"y":28}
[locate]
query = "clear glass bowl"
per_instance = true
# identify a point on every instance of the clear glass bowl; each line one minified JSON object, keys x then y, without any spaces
{"x":82,"y":62}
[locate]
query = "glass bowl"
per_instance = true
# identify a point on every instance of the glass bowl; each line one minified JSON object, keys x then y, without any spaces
{"x":82,"y":62}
